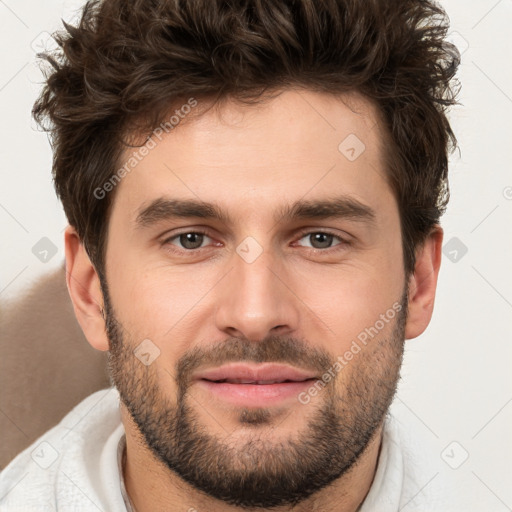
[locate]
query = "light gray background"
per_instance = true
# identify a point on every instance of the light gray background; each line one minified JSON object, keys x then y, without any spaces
{"x":456,"y":390}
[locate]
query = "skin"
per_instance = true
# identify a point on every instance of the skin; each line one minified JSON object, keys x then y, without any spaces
{"x":252,"y":161}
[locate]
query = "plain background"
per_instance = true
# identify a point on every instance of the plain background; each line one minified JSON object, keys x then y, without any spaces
{"x":456,"y":388}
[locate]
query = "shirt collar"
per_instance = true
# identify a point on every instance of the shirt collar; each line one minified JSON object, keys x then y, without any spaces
{"x":121,"y":460}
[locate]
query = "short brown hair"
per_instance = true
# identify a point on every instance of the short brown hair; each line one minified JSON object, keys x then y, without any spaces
{"x":131,"y":61}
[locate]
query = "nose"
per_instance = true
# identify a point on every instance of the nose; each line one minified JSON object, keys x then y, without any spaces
{"x":256,"y":300}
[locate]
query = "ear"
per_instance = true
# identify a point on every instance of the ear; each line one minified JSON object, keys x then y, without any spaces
{"x":85,"y":291}
{"x":423,"y":283}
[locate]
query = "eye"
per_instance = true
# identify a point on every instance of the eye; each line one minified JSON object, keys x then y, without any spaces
{"x":322,"y":239}
{"x":188,"y":241}
{"x":191,"y":241}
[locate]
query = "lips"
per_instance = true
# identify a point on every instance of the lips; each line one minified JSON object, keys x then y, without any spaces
{"x":264,"y":374}
{"x":250,"y":381}
{"x":252,"y":385}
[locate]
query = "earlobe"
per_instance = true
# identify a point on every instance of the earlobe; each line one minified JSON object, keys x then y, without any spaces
{"x":423,"y":284}
{"x":85,"y":291}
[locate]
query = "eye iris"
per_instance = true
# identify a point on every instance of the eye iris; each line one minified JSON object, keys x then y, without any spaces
{"x":191,"y":240}
{"x":322,"y":240}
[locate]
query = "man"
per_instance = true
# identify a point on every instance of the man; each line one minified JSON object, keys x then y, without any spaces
{"x":254,"y":192}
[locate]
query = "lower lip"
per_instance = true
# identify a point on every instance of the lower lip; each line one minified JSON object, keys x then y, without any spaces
{"x":256,"y":395}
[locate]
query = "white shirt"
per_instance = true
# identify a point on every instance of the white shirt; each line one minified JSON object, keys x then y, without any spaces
{"x":76,"y":467}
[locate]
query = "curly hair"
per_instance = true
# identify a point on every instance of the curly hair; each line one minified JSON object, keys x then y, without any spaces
{"x":125,"y":65}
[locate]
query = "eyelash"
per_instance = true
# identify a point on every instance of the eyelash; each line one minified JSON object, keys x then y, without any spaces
{"x":343,"y":242}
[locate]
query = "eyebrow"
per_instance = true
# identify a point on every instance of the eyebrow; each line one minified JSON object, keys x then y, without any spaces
{"x":164,"y":208}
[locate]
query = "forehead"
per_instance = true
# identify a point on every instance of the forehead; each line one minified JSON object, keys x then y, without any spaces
{"x":252,"y":157}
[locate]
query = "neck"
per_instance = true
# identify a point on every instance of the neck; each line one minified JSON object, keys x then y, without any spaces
{"x":152,"y":487}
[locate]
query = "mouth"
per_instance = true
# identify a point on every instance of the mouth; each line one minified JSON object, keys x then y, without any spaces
{"x":244,"y":373}
{"x":255,"y":386}
{"x":259,"y":382}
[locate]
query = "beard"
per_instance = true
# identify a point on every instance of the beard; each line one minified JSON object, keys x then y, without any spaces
{"x":258,"y":472}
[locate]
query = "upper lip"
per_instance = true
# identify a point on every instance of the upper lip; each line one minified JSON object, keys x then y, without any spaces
{"x":255,"y":373}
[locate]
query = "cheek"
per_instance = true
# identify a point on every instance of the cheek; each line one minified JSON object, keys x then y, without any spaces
{"x":158,"y":301}
{"x":346,"y":301}
{"x":353,"y":296}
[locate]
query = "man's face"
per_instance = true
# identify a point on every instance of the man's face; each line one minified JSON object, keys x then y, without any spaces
{"x":273,"y":280}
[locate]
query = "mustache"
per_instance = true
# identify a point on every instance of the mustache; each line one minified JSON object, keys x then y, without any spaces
{"x":272,"y":349}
